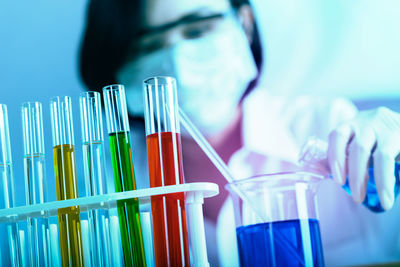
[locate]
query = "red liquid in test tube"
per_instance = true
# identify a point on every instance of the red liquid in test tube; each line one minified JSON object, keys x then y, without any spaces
{"x":171,"y":246}
{"x":170,"y":230}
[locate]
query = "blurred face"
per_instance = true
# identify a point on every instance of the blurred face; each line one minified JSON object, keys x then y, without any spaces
{"x":167,"y":22}
{"x":202,"y":45}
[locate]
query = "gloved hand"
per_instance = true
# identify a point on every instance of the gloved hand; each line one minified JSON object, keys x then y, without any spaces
{"x":375,"y":132}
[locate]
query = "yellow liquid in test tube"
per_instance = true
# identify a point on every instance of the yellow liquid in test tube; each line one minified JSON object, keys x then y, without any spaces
{"x":68,"y":218}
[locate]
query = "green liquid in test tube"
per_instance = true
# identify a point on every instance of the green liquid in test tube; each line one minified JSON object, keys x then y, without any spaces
{"x":35,"y":183}
{"x":124,"y":177}
{"x":10,"y":253}
{"x":69,"y":220}
{"x":95,"y":176}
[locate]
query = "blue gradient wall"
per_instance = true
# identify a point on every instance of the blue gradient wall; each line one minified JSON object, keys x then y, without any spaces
{"x":38,"y":59}
{"x":345,"y":48}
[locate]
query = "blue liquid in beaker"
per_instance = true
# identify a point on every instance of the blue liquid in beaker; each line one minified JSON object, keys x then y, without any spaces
{"x":282,"y":243}
{"x":372,"y":200}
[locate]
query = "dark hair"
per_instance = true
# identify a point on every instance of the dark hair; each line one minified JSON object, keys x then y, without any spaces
{"x":110,"y":28}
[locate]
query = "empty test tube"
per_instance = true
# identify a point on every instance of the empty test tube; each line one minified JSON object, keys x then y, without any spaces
{"x":95,"y":175}
{"x":10,"y":249}
{"x":124,"y":177}
{"x":35,"y":182}
{"x":66,"y":181}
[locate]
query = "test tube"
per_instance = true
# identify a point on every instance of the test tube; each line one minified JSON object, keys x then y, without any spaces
{"x":66,"y":181}
{"x":124,"y":177}
{"x":165,"y":168}
{"x":95,"y":175}
{"x":35,"y":182}
{"x":10,"y":253}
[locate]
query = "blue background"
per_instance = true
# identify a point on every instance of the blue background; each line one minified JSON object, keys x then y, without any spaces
{"x":338,"y":48}
{"x":39,"y":42}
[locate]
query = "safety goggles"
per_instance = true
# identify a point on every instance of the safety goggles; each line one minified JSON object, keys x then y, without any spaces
{"x":192,"y":26}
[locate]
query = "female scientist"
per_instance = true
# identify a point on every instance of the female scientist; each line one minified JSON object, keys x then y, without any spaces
{"x":213,"y":49}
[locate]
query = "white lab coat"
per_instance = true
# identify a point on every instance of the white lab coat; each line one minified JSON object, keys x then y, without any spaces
{"x":274,"y":129}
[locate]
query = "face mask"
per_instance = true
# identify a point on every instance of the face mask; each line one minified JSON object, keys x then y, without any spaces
{"x":212,"y":74}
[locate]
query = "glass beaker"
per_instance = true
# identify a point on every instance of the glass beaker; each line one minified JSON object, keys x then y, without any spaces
{"x":276,"y":220}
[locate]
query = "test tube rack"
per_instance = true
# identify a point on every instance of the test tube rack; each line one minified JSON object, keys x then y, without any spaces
{"x":194,"y":199}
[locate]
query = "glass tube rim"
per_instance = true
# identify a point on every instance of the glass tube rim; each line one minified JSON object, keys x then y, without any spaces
{"x":60,"y":97}
{"x":28,"y":103}
{"x":90,"y":94}
{"x":87,"y":101}
{"x":113,"y":87}
{"x":33,"y":137}
{"x":61,"y":117}
{"x":115,"y":107}
{"x":161,"y":80}
{"x":295,"y":176}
